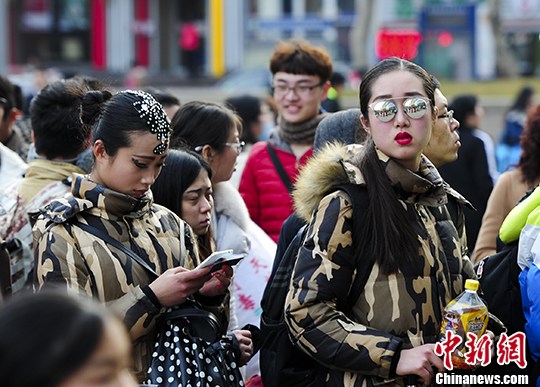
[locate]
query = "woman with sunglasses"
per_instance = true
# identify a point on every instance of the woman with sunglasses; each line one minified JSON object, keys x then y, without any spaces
{"x":390,"y":329}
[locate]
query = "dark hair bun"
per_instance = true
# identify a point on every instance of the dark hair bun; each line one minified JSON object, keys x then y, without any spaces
{"x":91,"y":105}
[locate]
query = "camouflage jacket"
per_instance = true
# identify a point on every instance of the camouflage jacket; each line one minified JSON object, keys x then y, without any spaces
{"x":66,"y":255}
{"x":402,"y":310}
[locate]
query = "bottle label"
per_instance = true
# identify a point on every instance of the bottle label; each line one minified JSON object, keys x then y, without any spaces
{"x":460,"y":323}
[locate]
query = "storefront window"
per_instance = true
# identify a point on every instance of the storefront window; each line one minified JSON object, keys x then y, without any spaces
{"x":50,"y":32}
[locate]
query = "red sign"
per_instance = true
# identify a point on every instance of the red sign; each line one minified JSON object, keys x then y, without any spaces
{"x":400,"y":43}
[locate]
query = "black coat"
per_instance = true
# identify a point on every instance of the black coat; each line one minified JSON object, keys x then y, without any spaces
{"x":469,"y":175}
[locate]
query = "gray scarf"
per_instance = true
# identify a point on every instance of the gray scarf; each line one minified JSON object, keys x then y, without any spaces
{"x":301,"y":132}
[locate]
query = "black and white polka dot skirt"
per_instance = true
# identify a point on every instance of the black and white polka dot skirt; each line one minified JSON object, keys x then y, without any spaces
{"x":183,"y":360}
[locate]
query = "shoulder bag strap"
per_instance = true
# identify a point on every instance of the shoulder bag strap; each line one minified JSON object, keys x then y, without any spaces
{"x":279,"y":168}
{"x":113,"y":242}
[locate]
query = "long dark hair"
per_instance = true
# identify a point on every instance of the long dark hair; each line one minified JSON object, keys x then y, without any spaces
{"x":529,"y":161}
{"x":47,"y":337}
{"x":387,"y":233}
{"x":181,"y":169}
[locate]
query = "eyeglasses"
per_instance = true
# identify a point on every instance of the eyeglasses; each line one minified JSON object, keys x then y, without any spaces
{"x":237,"y":146}
{"x":449,"y":114}
{"x":386,"y":110}
{"x":281,"y":90}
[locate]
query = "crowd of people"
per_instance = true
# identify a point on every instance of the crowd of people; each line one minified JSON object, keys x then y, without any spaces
{"x":111,"y":200}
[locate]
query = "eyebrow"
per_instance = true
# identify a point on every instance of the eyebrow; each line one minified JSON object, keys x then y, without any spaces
{"x":151,"y":158}
{"x":298,"y":81}
{"x":408,"y":94}
{"x":198,"y":190}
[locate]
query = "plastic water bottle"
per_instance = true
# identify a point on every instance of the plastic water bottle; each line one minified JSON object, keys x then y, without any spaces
{"x":465,"y":313}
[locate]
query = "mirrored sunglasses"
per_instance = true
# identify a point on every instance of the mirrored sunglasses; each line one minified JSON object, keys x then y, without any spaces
{"x":385,"y":110}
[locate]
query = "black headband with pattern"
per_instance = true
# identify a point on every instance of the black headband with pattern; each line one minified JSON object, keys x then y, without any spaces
{"x":152,"y":112}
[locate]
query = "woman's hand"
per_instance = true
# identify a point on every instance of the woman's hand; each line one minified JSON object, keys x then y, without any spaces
{"x":176,"y":284}
{"x":419,"y":361}
{"x":246,"y":345}
{"x":218,"y":283}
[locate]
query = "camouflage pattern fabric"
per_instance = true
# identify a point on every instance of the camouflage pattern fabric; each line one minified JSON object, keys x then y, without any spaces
{"x":67,"y":256}
{"x":395,"y":311}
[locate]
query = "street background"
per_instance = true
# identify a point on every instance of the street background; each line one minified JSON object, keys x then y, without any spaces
{"x":194,"y":48}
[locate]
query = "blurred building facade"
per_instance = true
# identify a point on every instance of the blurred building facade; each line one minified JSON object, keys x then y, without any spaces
{"x":454,"y":38}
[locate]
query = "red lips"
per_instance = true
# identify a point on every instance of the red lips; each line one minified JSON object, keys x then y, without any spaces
{"x":403,"y":138}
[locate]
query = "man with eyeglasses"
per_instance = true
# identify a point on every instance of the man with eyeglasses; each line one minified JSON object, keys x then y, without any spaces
{"x":444,"y":143}
{"x":300,"y":83}
{"x":443,"y":149}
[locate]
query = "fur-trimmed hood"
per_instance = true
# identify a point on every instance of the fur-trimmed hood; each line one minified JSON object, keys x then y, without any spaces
{"x":322,"y":172}
{"x":338,"y":164}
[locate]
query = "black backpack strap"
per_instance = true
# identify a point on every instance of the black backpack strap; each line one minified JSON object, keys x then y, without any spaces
{"x":360,"y":202}
{"x":113,"y":242}
{"x":279,"y":168}
{"x":280,"y":277}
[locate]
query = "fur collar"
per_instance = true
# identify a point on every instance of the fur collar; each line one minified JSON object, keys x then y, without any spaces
{"x":338,"y":164}
{"x":228,"y":202}
{"x":317,"y":177}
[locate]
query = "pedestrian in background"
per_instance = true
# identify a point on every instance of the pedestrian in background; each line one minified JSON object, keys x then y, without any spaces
{"x":508,"y":149}
{"x":11,"y":105}
{"x":300,"y":83}
{"x":213,"y":131}
{"x":60,"y":141}
{"x":332,"y":103}
{"x":184,"y":187}
{"x":511,"y":186}
{"x":442,"y":149}
{"x":249,"y":109}
{"x":474,"y":173}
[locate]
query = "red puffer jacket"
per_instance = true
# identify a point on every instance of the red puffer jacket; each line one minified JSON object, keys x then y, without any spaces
{"x":265,"y":195}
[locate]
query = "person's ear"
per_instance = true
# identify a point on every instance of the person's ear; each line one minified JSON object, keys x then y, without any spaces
{"x":100,"y":153}
{"x":13,"y":115}
{"x":325,"y":89}
{"x":365,"y":124}
{"x":207,"y":152}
